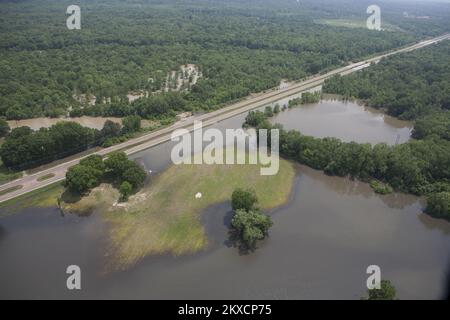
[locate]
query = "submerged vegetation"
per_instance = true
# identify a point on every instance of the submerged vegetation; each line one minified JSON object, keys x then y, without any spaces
{"x":249,"y":224}
{"x":165,"y":216}
{"x":307,"y":97}
{"x":380,"y":187}
{"x":438,"y":205}
{"x":386,"y":292}
{"x":417,"y":167}
{"x":45,"y":197}
{"x":414,"y":85}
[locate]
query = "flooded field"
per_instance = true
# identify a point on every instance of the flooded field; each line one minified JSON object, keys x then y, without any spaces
{"x":321,"y":243}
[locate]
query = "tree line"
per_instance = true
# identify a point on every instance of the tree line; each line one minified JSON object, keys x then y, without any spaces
{"x":420,"y":167}
{"x":414,"y":85}
{"x":25,"y":148}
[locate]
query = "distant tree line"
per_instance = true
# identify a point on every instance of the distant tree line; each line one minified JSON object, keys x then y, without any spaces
{"x":46,"y":70}
{"x":408,"y":85}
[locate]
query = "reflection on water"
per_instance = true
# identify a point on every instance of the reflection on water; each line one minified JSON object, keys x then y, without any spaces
{"x":38,"y":245}
{"x":434,"y":224}
{"x":348,"y":186}
{"x":345,"y":120}
{"x":2,"y":232}
{"x":319,"y":247}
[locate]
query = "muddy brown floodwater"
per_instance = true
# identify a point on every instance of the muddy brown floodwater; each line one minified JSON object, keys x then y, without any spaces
{"x":319,"y":247}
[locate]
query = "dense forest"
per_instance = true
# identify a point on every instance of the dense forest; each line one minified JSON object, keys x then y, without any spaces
{"x":125,"y":46}
{"x":408,"y":85}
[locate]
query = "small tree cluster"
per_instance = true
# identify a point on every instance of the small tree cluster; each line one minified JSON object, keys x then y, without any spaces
{"x":438,"y":205}
{"x":122,"y":170}
{"x":268,"y":112}
{"x":90,"y":172}
{"x":248,"y":224}
{"x":113,"y":133}
{"x":276,"y":109}
{"x":256,"y":119}
{"x":86,"y":175}
{"x":131,"y":124}
{"x":386,"y":292}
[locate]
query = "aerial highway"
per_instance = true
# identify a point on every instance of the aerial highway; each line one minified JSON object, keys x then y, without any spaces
{"x":57,"y":173}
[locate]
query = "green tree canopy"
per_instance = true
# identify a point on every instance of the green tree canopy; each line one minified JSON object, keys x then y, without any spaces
{"x":438,"y":205}
{"x":386,"y":292}
{"x":268,"y":111}
{"x":134,"y":174}
{"x":131,"y":124}
{"x":4,"y":127}
{"x":125,"y":190}
{"x":94,"y":161}
{"x":251,"y":226}
{"x":110,"y":129}
{"x":243,"y":199}
{"x":81,"y":179}
{"x":116,"y":164}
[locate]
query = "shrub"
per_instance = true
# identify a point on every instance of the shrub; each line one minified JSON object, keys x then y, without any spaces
{"x":438,"y":205}
{"x":243,"y":199}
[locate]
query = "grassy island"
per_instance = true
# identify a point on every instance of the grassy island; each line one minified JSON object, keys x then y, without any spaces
{"x":164,"y":217}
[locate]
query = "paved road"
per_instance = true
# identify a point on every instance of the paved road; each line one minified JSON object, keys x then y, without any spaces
{"x":29,"y":183}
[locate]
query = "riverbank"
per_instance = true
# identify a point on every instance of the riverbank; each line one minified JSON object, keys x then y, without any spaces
{"x":165,"y":216}
{"x":45,"y":197}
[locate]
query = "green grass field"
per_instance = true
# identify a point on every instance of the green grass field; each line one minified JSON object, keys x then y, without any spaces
{"x":164,"y":217}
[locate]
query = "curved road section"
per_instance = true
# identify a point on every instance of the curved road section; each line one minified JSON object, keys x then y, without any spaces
{"x":57,"y":173}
